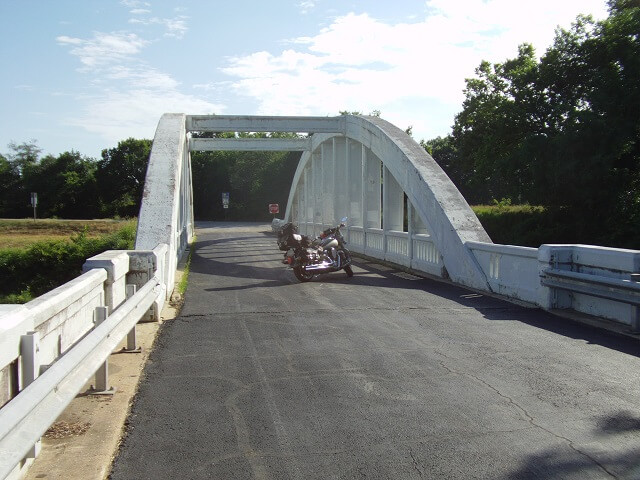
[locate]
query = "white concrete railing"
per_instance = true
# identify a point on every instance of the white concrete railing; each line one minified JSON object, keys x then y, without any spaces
{"x":393,"y":246}
{"x":598,"y":281}
{"x":50,"y":347}
{"x":511,"y":271}
{"x":425,"y":256}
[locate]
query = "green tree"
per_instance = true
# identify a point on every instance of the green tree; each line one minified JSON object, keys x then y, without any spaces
{"x":65,"y":184}
{"x":24,"y":155}
{"x":493,"y":126}
{"x":120,"y":175}
{"x":563,"y":131}
{"x":253,"y":180}
{"x":11,"y":191}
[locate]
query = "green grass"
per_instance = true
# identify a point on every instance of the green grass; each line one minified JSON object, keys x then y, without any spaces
{"x":21,"y":233}
{"x":184,"y":280}
{"x":51,"y":259}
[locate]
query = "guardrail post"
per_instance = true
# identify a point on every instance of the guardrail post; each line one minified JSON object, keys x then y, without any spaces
{"x":558,"y":257}
{"x":102,"y":374}
{"x":30,"y":369}
{"x":131,"y":336}
{"x":635,"y":311}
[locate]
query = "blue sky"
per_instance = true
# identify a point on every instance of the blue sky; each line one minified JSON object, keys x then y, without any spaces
{"x":83,"y":75}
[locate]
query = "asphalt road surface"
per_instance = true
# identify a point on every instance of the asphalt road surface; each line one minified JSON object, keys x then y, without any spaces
{"x":381,"y":376}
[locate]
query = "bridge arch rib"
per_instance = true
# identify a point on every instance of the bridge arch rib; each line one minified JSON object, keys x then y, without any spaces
{"x":356,"y":166}
{"x":364,"y":173}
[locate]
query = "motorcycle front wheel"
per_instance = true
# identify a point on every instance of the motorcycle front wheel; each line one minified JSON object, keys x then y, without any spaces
{"x":302,"y":275}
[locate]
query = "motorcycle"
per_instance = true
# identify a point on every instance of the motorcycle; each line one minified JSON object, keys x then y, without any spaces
{"x":309,"y":257}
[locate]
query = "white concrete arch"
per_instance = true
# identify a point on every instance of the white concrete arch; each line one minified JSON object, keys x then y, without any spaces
{"x":354,"y":166}
{"x":338,"y":177}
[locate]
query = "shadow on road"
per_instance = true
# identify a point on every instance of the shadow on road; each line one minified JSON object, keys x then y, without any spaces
{"x":583,"y":462}
{"x":233,"y":257}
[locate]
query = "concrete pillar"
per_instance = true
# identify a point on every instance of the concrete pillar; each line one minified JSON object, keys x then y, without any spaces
{"x":116,"y":264}
{"x":297,"y":204}
{"x":340,"y":174}
{"x":393,"y":207}
{"x":355,"y":156}
{"x":316,"y":178}
{"x":328,"y":187}
{"x":308,"y":197}
{"x":372,"y":190}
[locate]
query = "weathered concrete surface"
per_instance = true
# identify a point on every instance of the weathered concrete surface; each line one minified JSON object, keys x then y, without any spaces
{"x":378,"y":376}
{"x":84,"y":440}
{"x":443,"y":210}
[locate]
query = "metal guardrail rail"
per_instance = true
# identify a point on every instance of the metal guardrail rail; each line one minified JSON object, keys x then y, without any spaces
{"x":620,"y":290}
{"x":27,"y":416}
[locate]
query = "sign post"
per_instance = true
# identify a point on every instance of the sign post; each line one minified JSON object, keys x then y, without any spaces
{"x":34,"y":203}
{"x":225,"y":203}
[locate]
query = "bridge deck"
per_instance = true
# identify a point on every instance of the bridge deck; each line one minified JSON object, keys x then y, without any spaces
{"x":378,"y":376}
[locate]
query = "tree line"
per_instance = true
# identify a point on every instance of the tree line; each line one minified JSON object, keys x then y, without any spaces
{"x":72,"y":185}
{"x":560,"y":131}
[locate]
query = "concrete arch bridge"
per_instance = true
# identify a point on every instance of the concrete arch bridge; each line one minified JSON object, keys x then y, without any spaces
{"x":361,"y":167}
{"x":402,"y":208}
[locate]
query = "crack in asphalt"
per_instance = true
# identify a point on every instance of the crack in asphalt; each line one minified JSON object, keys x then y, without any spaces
{"x":415,"y":463}
{"x":529,"y":418}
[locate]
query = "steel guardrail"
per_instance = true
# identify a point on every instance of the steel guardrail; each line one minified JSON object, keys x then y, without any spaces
{"x":28,"y":416}
{"x":620,"y":290}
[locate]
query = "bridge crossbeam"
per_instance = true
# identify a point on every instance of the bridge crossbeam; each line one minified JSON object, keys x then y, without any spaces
{"x":250,"y":144}
{"x":239,"y":123}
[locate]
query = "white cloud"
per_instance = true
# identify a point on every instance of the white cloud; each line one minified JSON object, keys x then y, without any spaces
{"x":403,"y":69}
{"x":116,"y":115}
{"x":175,"y":27}
{"x":135,"y":3}
{"x":125,"y":96}
{"x":142,"y":78}
{"x":104,"y":48}
{"x":306,"y":6}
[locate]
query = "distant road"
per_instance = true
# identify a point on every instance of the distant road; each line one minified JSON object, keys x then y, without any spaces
{"x":381,"y":376}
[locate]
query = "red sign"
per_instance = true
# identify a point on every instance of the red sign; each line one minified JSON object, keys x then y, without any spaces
{"x":274,"y":208}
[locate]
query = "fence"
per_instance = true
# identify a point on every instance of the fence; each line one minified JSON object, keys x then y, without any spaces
{"x":51,"y":346}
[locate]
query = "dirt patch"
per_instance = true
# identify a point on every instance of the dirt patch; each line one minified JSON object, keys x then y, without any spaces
{"x":65,"y":430}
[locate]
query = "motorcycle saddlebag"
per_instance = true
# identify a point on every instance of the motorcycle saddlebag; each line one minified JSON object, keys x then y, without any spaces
{"x":285,"y":236}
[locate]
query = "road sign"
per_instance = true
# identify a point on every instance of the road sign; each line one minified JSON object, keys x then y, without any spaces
{"x":225,"y":199}
{"x":274,"y":208}
{"x":34,"y":203}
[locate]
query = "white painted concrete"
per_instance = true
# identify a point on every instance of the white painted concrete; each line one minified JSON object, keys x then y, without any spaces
{"x":389,"y":154}
{"x":250,"y":144}
{"x":51,"y":345}
{"x":253,"y":123}
{"x":166,"y":213}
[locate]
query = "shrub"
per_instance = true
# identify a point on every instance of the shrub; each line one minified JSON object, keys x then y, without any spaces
{"x":30,"y":272}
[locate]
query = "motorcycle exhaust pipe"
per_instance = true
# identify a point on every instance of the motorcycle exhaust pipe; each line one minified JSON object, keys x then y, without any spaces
{"x":322,"y":266}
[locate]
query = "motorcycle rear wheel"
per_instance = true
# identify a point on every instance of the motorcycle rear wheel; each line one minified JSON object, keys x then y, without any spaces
{"x":349,"y":271}
{"x":301,"y":274}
